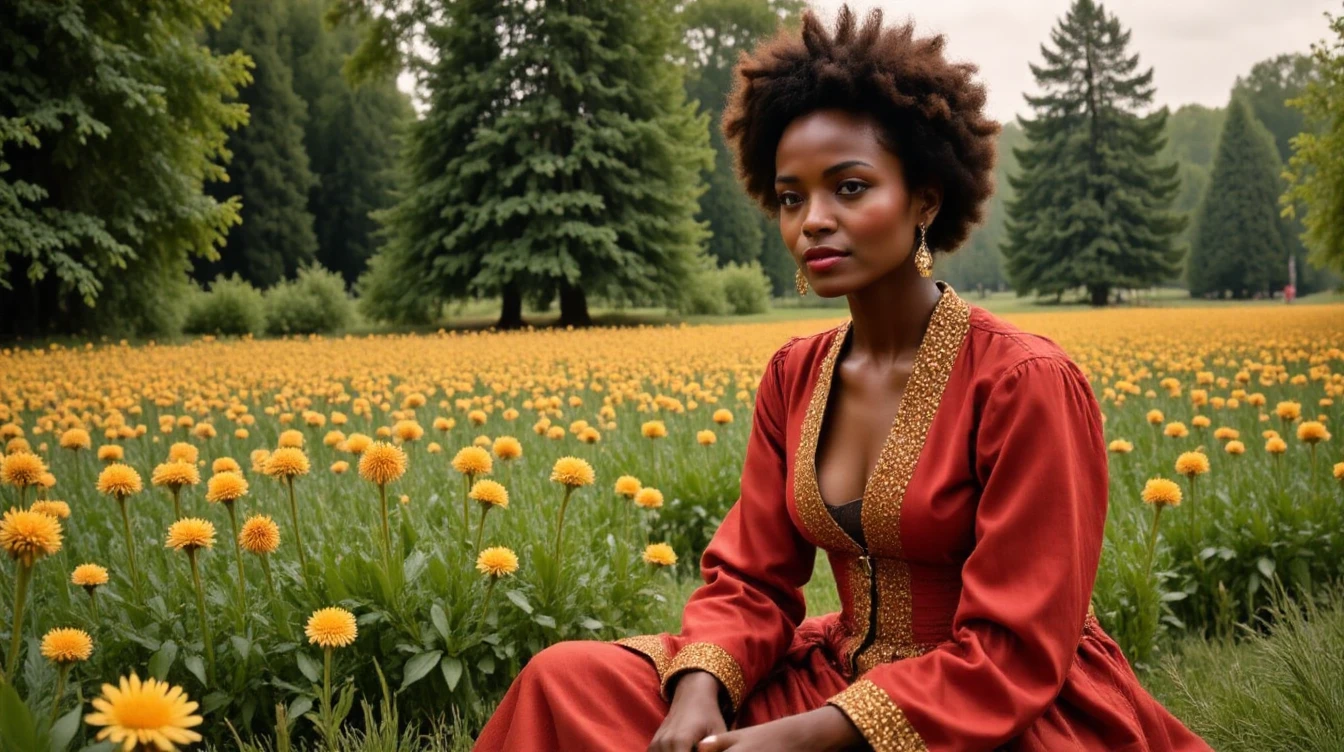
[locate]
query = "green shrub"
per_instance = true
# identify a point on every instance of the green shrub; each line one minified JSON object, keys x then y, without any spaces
{"x":746,"y":288}
{"x":702,"y":295}
{"x":232,"y":306}
{"x":314,"y":302}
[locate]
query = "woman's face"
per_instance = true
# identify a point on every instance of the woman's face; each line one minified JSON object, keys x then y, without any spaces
{"x":845,"y":212}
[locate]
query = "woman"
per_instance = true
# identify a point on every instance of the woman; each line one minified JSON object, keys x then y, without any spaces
{"x":972,"y":453}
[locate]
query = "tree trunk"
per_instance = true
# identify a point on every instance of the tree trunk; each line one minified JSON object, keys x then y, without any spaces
{"x":1100,"y":294}
{"x":511,"y":312}
{"x":573,"y":306}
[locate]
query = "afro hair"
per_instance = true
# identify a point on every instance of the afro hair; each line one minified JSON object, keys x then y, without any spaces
{"x":929,"y":111}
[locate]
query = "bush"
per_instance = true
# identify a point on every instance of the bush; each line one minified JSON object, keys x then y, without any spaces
{"x":746,"y":288}
{"x":314,"y":302}
{"x":703,"y":296}
{"x":232,"y":306}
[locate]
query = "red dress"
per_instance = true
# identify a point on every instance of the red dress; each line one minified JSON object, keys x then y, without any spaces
{"x":966,"y":622}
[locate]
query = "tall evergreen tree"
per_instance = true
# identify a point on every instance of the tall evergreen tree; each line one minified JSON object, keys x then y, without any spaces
{"x":112,"y":120}
{"x":560,"y":154}
{"x":1092,"y":204}
{"x":1239,"y":239}
{"x":269,"y":166}
{"x":350,"y":135}
{"x":716,"y":32}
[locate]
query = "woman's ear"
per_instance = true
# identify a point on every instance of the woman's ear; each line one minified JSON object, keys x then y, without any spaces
{"x":931,"y":200}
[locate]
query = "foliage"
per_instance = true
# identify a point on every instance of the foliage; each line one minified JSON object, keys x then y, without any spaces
{"x":269,"y":167}
{"x":702,"y":295}
{"x":1316,"y":181}
{"x":1282,"y":689}
{"x":113,"y":122}
{"x":231,"y":306}
{"x":507,"y":195}
{"x":746,"y":289}
{"x":1239,"y":237}
{"x":1092,"y":203}
{"x":350,"y":135}
{"x":314,"y":302}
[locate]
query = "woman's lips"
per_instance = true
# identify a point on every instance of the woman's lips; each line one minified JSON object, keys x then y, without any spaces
{"x":823,"y":263}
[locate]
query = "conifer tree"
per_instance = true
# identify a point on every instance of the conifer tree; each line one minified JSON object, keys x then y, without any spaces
{"x":559,"y":155}
{"x":269,"y":168}
{"x":1092,"y":204}
{"x":1238,"y":247}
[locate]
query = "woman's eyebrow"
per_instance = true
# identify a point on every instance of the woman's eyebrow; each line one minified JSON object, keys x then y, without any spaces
{"x":825,"y":173}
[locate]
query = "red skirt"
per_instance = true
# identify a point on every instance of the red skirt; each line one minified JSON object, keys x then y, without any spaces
{"x":590,"y":695}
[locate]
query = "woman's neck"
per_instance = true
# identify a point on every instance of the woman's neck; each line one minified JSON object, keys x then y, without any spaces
{"x":890,"y":317}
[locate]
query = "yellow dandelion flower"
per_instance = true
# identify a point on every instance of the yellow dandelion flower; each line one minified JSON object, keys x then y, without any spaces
{"x":441,"y":424}
{"x":340,"y":466}
{"x":259,"y":535}
{"x":1162,"y":491}
{"x":472,"y":460}
{"x":332,"y":627}
{"x":1226,"y":433}
{"x":52,"y":508}
{"x":1312,"y":432}
{"x":356,"y":443}
{"x":189,"y":534}
{"x":225,"y":465}
{"x":175,"y":475}
{"x":1175,"y":430}
{"x":497,"y":561}
{"x":653,"y":429}
{"x":75,"y":439}
{"x":1155,"y":417}
{"x":1234,"y":448}
{"x":64,"y":645}
{"x":111,"y":453}
{"x":477,"y":417}
{"x":649,"y":498}
{"x":1276,"y":446}
{"x":660,"y":554}
{"x":292,"y":438}
{"x":382,"y":463}
{"x":1120,"y":446}
{"x":1269,"y":434}
{"x":407,"y":430}
{"x":259,"y":457}
{"x":1339,"y":471}
{"x":89,"y":576}
{"x":144,"y":715}
{"x":705,"y":437}
{"x":225,"y":487}
{"x":628,"y":486}
{"x":1288,"y":411}
{"x":286,"y":463}
{"x":119,"y":480}
{"x":490,"y":493}
{"x":1191,"y":464}
{"x":555,"y":432}
{"x":183,"y":452}
{"x":589,"y":435}
{"x":573,"y":472}
{"x":723,"y":415}
{"x":1201,"y":421}
{"x":22,"y":469}
{"x":28,"y":536}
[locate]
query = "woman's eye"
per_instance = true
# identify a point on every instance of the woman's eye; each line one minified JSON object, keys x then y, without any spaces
{"x":785,"y":199}
{"x":859,"y":186}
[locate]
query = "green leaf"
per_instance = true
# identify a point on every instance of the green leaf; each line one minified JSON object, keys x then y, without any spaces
{"x":64,"y":730}
{"x":196,"y":666}
{"x":17,"y":729}
{"x":486,"y":664}
{"x":162,"y":660}
{"x":452,"y":671}
{"x":440,"y":620}
{"x":309,"y":667}
{"x":1266,"y":567}
{"x":1175,"y":595}
{"x":298,"y":707}
{"x":544,"y":620}
{"x":591,"y":623}
{"x":242,"y":645}
{"x":418,"y":666}
{"x":519,"y":600}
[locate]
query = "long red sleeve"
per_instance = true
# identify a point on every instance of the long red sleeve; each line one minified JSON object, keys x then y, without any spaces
{"x":740,"y":622}
{"x":1040,"y":458}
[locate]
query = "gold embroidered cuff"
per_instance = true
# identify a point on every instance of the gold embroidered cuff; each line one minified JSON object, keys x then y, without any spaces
{"x":706,"y":656}
{"x":881,"y":721}
{"x":650,"y":646}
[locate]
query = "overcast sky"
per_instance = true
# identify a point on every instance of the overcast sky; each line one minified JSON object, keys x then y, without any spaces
{"x":1196,"y":48}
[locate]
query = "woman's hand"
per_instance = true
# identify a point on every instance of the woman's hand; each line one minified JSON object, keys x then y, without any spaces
{"x":694,"y":714}
{"x":820,"y":730}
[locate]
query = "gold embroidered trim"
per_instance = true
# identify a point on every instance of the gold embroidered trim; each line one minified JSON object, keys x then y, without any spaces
{"x":881,"y":721}
{"x":652,"y":647}
{"x":706,"y":656}
{"x":811,"y":507}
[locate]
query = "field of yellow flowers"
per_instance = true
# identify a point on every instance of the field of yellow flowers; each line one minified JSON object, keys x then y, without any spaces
{"x":221,"y":541}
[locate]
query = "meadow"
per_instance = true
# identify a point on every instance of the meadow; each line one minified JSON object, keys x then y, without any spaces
{"x":420,"y":513}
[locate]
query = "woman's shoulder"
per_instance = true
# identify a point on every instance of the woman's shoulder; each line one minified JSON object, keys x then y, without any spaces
{"x":798,"y":349}
{"x":1001,"y":346}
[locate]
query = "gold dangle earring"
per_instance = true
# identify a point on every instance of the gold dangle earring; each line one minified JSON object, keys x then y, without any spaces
{"x":923,"y":258}
{"x":800,"y":282}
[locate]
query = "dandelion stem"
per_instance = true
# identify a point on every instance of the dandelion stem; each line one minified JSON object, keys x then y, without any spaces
{"x":387,"y":535}
{"x":485,"y":605}
{"x":466,"y":505}
{"x":238,"y":555}
{"x":60,"y":690}
{"x":177,"y":501}
{"x":25,"y":574}
{"x":93,"y":598}
{"x":298,"y":537}
{"x":130,"y":544}
{"x":1152,"y":540}
{"x":329,"y":732}
{"x":560,"y":524}
{"x":481,"y":527}
{"x":200,"y":608}
{"x":266,"y":567}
